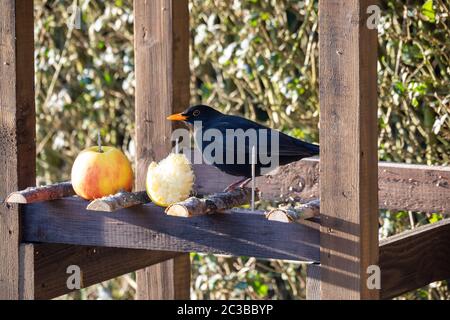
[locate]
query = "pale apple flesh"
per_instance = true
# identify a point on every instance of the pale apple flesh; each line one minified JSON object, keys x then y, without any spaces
{"x":170,"y":181}
{"x":97,"y":174}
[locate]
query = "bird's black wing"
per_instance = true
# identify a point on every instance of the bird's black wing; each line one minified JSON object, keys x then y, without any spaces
{"x":282,"y":145}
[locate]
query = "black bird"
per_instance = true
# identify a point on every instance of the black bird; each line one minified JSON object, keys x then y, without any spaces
{"x":288,"y":150}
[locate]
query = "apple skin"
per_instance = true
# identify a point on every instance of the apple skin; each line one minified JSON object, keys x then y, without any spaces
{"x":98,"y":174}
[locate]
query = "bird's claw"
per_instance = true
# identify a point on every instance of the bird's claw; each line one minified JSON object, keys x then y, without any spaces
{"x":240,"y":184}
{"x":228,"y":189}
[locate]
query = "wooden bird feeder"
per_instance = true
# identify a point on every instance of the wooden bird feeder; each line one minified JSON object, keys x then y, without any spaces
{"x":39,"y":239}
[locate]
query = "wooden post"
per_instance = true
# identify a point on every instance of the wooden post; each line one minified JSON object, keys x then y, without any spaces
{"x":313,"y":282}
{"x":348,"y":160}
{"x":17,"y":131}
{"x":27,"y":290}
{"x":167,"y":280}
{"x":161,"y":31}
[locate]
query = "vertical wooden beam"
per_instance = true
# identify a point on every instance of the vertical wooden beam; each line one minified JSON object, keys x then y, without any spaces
{"x":17,"y":131}
{"x":161,"y":31}
{"x":27,"y":274}
{"x":165,"y":281}
{"x":348,"y":160}
{"x":313,"y":282}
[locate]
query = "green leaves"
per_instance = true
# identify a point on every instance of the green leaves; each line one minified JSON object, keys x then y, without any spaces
{"x":399,"y":88}
{"x":84,"y":81}
{"x":416,"y":91}
{"x":435,"y":217}
{"x":428,"y":12}
{"x":260,"y":288}
{"x":255,"y":45}
{"x":411,"y":54}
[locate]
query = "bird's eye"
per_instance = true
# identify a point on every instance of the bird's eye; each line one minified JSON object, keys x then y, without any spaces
{"x":196,"y":113}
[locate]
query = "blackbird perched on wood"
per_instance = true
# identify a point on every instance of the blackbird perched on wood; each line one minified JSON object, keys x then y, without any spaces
{"x":235,"y":136}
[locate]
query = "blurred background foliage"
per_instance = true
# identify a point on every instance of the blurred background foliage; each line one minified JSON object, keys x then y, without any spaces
{"x":248,"y":57}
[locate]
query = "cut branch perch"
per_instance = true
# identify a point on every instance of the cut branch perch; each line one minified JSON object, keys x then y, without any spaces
{"x":44,"y":193}
{"x":119,"y":201}
{"x":305,"y":211}
{"x":214,"y":203}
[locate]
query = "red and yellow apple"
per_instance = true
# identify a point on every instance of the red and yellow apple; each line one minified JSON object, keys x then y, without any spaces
{"x":96,"y":174}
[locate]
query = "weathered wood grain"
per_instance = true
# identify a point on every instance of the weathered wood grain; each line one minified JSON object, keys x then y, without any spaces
{"x":173,"y":279}
{"x":42,"y":193}
{"x":161,"y":43}
{"x":400,"y":186}
{"x":213,"y":203}
{"x":298,"y":180}
{"x":415,"y":258}
{"x":348,"y":149}
{"x":313,"y":282}
{"x":48,"y":278}
{"x":17,"y":131}
{"x":239,"y":233}
{"x":119,"y":201}
{"x":414,"y":187}
{"x":26,"y":274}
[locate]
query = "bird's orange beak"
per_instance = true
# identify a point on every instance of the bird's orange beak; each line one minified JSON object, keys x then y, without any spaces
{"x":177,"y":117}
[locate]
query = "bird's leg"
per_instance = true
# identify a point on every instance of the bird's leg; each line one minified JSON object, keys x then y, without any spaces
{"x":241,"y":184}
{"x":245,"y":183}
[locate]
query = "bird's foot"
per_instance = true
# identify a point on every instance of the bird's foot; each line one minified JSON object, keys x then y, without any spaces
{"x":238,"y":184}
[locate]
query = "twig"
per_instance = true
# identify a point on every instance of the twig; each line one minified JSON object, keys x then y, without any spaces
{"x":214,"y":203}
{"x":99,"y":141}
{"x":308,"y":210}
{"x":44,"y":193}
{"x":119,"y":201}
{"x":253,"y":177}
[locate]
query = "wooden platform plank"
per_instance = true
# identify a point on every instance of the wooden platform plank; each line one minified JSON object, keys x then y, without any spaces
{"x":147,"y":227}
{"x":415,"y":258}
